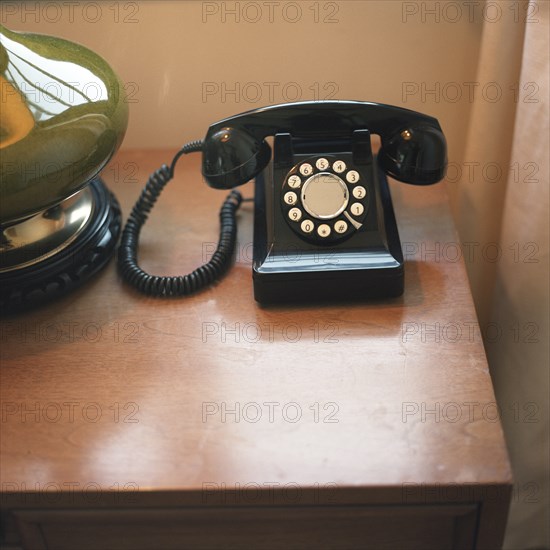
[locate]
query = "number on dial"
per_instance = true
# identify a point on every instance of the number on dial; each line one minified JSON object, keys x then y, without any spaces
{"x":290,"y":197}
{"x":306,"y":169}
{"x":322,"y":164}
{"x":359,"y":192}
{"x":307,"y":226}
{"x":352,"y":176}
{"x":339,"y":166}
{"x":295,"y":214}
{"x":357,"y":208}
{"x":294,"y":181}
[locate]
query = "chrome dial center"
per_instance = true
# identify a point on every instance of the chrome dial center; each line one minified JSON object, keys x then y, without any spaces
{"x":324,"y":196}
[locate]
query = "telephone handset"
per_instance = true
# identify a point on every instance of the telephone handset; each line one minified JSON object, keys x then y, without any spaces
{"x":324,"y":226}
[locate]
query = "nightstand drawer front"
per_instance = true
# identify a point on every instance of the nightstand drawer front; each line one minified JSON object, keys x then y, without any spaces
{"x":377,"y":527}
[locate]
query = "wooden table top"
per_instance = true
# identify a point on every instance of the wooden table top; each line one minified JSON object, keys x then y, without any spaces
{"x":109,"y":389}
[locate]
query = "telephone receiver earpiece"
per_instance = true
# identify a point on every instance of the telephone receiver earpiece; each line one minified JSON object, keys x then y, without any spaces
{"x":415,"y":155}
{"x":233,"y":156}
{"x":413,"y":146}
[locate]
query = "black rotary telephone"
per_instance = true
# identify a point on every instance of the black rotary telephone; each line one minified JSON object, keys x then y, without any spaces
{"x":324,"y":226}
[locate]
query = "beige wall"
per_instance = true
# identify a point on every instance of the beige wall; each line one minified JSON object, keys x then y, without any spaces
{"x":168,"y":52}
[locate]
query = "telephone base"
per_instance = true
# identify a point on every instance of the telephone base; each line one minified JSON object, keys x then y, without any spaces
{"x":368,"y":266}
{"x":344,"y":286}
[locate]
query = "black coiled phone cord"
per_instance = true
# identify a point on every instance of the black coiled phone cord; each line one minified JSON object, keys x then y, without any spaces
{"x":201,"y":277}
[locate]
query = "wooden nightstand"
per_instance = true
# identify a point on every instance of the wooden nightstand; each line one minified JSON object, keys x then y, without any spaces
{"x":212,"y":422}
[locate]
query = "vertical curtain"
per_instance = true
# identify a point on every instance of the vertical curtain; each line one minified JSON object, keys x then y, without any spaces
{"x":479,"y":199}
{"x":502,"y":211}
{"x":519,"y":358}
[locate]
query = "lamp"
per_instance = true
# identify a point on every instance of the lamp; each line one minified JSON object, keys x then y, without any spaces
{"x":62,"y":117}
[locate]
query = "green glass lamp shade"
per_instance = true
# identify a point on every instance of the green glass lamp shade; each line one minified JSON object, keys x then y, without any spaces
{"x":62,"y":117}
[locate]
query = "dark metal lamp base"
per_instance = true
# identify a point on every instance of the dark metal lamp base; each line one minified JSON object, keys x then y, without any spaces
{"x":62,"y":258}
